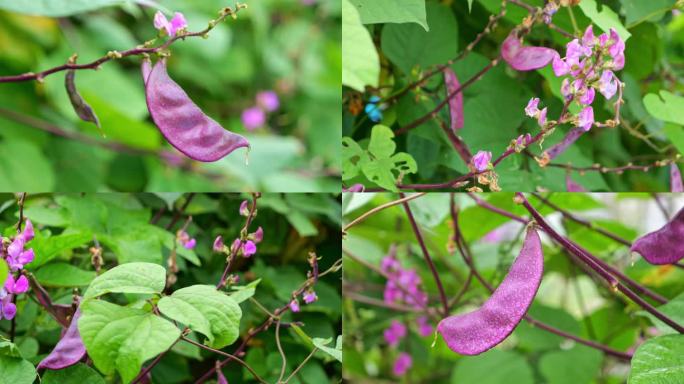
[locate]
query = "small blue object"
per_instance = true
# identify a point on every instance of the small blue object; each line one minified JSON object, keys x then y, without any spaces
{"x":374,"y":99}
{"x":374,"y":112}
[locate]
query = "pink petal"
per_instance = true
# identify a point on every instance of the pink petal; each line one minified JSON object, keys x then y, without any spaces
{"x":21,"y":285}
{"x":177,"y":23}
{"x":478,"y":331}
{"x":456,"y":102}
{"x":160,"y":21}
{"x":665,"y":245}
{"x":183,"y":123}
{"x":525,"y":58}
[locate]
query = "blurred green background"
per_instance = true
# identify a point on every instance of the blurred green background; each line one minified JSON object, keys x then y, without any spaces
{"x":284,"y":45}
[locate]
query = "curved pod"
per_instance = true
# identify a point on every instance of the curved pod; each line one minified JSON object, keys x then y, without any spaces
{"x":478,"y":331}
{"x":182,"y":122}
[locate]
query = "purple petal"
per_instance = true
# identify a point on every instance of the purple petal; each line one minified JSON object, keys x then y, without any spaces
{"x":665,"y":245}
{"x":675,"y":179}
{"x":183,"y":123}
{"x":160,"y":21}
{"x":525,"y":58}
{"x":456,"y":102}
{"x":177,"y":23}
{"x":478,"y":331}
{"x":146,"y":69}
{"x":69,"y":350}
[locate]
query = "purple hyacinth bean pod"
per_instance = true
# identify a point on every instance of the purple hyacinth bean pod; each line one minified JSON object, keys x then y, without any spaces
{"x":478,"y":331}
{"x":182,"y":122}
{"x":69,"y":350}
{"x":456,"y":102}
{"x":523,"y":58}
{"x":665,"y":245}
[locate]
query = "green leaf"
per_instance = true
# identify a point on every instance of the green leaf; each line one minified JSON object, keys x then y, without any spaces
{"x":128,"y":278}
{"x":4,"y":271}
{"x":334,"y":352}
{"x":579,"y":365}
{"x":382,"y":163}
{"x":16,"y":371}
{"x":205,"y":310}
{"x":244,"y":292}
{"x":637,"y":11}
{"x":352,"y":156}
{"x":675,"y":134}
{"x":606,"y":18}
{"x":667,"y":107}
{"x":60,"y":8}
{"x":64,"y":275}
{"x":659,"y":360}
{"x":47,"y":248}
{"x":493,"y":367}
{"x":360,"y":63}
{"x":392,"y":11}
{"x":409,"y":45}
{"x":122,"y":338}
{"x":75,"y":374}
{"x":674,"y":309}
{"x":8,"y":348}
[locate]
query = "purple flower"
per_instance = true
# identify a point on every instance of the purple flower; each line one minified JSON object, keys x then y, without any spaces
{"x":244,"y":208}
{"x":424,"y":327}
{"x":171,"y":27}
{"x":394,"y":333}
{"x":589,"y":40}
{"x":258,"y":235}
{"x":586,"y":118}
{"x":7,"y":308}
{"x":542,"y":117}
{"x":309,"y":297}
{"x":16,"y":287}
{"x":16,"y":256}
{"x":532,"y":109}
{"x":588,"y":96}
{"x":268,"y":100}
{"x":253,"y":118}
{"x":28,"y":234}
{"x":575,"y":51}
{"x":402,"y":364}
{"x":566,"y":89}
{"x":249,"y":248}
{"x":190,"y":244}
{"x":560,"y":67}
{"x":608,"y":84}
{"x":218,"y":244}
{"x":294,"y":305}
{"x":481,"y":160}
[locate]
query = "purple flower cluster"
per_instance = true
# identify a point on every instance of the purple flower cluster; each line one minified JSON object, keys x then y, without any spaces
{"x":589,"y":63}
{"x":481,"y":160}
{"x":403,"y":285}
{"x":255,"y":117}
{"x":17,"y":256}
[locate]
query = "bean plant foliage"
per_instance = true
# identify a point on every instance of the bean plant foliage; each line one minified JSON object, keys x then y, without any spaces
{"x":522,"y":288}
{"x":513,"y":95}
{"x":170,"y":288}
{"x":142,"y":95}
